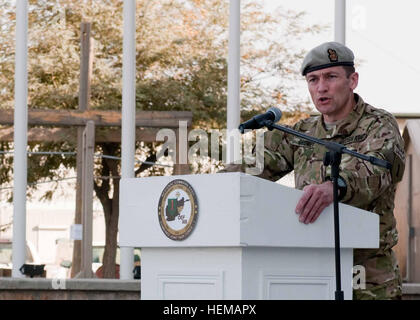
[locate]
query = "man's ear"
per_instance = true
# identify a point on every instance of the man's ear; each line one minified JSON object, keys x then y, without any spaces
{"x":354,"y":80}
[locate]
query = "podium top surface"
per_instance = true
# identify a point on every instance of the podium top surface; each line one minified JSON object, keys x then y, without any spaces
{"x":236,"y":209}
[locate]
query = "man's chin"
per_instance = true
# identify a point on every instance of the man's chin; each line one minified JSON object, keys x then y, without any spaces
{"x":324,"y":109}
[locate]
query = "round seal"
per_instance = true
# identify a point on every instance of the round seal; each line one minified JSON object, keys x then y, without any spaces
{"x":178,"y":209}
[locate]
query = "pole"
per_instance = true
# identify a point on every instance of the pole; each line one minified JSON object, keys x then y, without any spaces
{"x":87,"y":199}
{"x":128,"y":125}
{"x":233,"y":99}
{"x":340,"y":21}
{"x":20,"y":139}
{"x":411,"y":236}
{"x":333,"y":158}
{"x":86,"y":61}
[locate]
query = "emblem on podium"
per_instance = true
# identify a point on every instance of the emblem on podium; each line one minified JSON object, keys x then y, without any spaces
{"x":178,"y":209}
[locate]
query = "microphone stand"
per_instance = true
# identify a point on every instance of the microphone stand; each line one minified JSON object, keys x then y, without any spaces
{"x":332,"y":157}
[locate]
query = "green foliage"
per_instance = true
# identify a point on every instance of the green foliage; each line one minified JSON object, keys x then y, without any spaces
{"x":181,"y":61}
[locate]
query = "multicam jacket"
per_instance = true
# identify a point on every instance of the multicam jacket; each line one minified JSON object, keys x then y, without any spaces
{"x":366,"y":130}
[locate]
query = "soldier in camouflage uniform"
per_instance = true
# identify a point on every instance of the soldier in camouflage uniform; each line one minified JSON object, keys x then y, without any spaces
{"x":346,"y":119}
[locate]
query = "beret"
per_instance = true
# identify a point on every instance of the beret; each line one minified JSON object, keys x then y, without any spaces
{"x":328,"y":54}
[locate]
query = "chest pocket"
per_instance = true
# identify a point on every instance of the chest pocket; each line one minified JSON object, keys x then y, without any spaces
{"x":354,"y":139}
{"x":302,"y":148}
{"x":301,"y":143}
{"x":306,"y":154}
{"x":308,"y":163}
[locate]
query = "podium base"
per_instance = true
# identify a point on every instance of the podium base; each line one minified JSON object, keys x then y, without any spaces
{"x":248,"y":273}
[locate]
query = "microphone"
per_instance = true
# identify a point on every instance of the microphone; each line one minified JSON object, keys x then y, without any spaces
{"x":273,"y":114}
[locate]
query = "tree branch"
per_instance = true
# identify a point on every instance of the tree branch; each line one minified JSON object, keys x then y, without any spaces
{"x":145,"y":166}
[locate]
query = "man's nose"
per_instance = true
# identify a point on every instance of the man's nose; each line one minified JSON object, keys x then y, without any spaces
{"x":322,"y":85}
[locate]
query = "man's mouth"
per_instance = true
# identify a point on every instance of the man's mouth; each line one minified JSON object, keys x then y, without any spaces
{"x":324,"y":100}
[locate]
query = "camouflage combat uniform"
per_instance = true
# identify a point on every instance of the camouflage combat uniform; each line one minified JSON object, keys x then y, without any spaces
{"x":366,"y":130}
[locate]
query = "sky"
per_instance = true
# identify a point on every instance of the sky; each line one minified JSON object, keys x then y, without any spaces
{"x":384,"y":38}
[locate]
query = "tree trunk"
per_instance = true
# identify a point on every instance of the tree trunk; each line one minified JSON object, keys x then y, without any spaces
{"x":110,"y":169}
{"x":111,"y":228}
{"x":111,"y":231}
{"x":111,"y":208}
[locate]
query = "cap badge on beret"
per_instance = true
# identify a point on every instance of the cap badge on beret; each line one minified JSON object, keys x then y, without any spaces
{"x":332,"y":55}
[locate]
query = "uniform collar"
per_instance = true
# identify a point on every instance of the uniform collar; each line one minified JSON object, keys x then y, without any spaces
{"x":343,"y":127}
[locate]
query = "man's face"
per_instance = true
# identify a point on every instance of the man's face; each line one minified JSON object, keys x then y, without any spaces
{"x":332,"y":91}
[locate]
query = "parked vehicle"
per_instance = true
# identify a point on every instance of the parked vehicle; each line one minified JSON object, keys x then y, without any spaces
{"x":98,"y":252}
{"x":6,"y":265}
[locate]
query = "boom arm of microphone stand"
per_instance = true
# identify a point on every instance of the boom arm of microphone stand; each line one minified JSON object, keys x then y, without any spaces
{"x":333,"y":146}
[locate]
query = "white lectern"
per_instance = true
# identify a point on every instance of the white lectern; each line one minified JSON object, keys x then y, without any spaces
{"x":245,"y":242}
